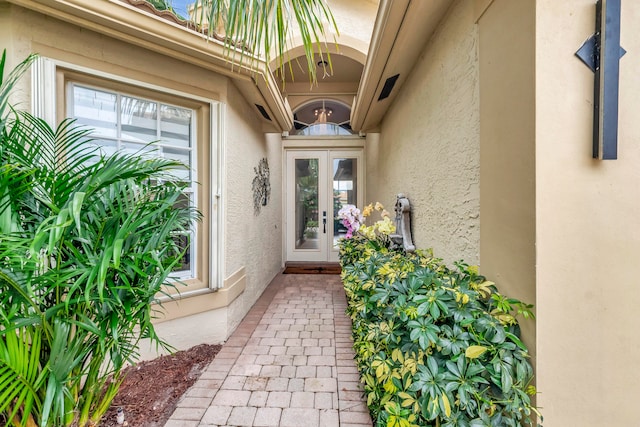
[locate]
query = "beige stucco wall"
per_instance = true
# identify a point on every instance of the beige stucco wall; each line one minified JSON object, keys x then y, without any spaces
{"x":354,"y":19}
{"x":16,"y":51}
{"x":254,"y":241}
{"x":252,"y":244}
{"x":507,"y":154}
{"x":587,"y":238}
{"x":429,"y":144}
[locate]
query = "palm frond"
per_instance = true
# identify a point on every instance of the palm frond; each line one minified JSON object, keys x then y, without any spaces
{"x":20,"y":373}
{"x":7,"y":84}
{"x":66,"y":354}
{"x":264,"y":28}
{"x":14,"y":184}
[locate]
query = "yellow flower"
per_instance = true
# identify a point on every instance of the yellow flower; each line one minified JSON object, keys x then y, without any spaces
{"x":368,"y":232}
{"x":385,"y":226}
{"x":379,"y":206}
{"x":384,"y":213}
{"x":367,"y":210}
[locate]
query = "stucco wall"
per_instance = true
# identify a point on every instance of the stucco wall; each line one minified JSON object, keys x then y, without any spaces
{"x":507,"y":154}
{"x":6,"y":36}
{"x":254,"y":241}
{"x":429,"y":143}
{"x":588,"y":241}
{"x":355,"y":19}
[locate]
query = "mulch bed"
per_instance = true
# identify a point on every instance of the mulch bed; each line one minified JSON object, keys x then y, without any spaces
{"x":151,"y":389}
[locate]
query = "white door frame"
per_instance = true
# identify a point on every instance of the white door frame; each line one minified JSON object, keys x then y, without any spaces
{"x":325,"y":251}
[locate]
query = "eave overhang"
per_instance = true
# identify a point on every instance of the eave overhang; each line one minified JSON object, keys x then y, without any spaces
{"x":126,"y":22}
{"x":400,"y":33}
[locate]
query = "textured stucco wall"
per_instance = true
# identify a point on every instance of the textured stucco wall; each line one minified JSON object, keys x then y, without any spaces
{"x":429,"y":142}
{"x":251,"y":241}
{"x":587,"y":237}
{"x":355,"y":19}
{"x":17,"y":49}
{"x":182,"y":335}
{"x":507,"y":135}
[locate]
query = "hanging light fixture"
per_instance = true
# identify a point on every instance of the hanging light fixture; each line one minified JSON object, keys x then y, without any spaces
{"x":322,"y":114}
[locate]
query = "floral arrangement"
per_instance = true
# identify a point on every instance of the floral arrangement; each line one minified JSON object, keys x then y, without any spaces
{"x":351,"y":218}
{"x":354,"y":220}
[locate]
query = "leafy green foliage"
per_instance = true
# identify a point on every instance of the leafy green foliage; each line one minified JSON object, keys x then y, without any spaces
{"x":87,"y":242}
{"x":435,"y":346}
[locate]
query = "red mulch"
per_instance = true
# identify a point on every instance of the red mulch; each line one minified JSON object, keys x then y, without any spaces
{"x":151,"y":390}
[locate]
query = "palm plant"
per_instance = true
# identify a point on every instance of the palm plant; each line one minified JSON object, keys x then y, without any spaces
{"x":265,"y":27}
{"x":86,"y":244}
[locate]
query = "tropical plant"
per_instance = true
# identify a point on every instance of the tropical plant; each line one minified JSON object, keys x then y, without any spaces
{"x":86,"y":244}
{"x":435,"y":346}
{"x":255,"y":28}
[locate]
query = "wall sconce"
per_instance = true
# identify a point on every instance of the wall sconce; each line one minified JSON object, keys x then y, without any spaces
{"x":602,"y":52}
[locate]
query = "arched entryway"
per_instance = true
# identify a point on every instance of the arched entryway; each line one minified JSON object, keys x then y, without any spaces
{"x":323,"y":158}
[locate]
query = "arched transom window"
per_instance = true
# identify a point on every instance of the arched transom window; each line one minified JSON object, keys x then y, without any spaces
{"x":322,"y":117}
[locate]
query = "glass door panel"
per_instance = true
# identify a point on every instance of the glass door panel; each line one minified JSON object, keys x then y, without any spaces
{"x":345,"y":191}
{"x":306,"y":199}
{"x":318,"y":184}
{"x":347,"y":177}
{"x":306,"y":208}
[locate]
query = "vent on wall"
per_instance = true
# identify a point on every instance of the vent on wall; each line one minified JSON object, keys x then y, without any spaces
{"x":388,"y":87}
{"x":263,"y":112}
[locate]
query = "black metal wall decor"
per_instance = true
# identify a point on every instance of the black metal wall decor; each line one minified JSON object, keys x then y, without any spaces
{"x":261,"y":186}
{"x":602,"y":52}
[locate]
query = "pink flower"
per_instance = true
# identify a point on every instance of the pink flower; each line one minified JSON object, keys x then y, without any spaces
{"x":351,"y":218}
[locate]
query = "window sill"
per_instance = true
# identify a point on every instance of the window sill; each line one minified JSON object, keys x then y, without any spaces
{"x":201,"y":300}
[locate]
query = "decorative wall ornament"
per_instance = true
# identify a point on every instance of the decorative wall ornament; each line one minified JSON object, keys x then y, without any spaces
{"x":261,"y":186}
{"x":402,"y":238}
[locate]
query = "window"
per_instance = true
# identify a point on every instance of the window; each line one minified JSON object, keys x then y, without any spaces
{"x":322,"y":117}
{"x":150,"y":120}
{"x":127,"y":114}
{"x":143,"y":127}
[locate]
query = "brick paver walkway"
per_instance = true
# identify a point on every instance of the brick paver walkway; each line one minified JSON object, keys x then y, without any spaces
{"x":289,"y":363}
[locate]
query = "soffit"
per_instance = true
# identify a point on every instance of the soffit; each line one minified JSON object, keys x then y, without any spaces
{"x":336,"y":68}
{"x":400,"y":33}
{"x":150,"y":30}
{"x":336,"y":81}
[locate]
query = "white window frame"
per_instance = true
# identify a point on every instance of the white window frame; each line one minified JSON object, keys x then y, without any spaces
{"x":120,"y":139}
{"x":44,"y":96}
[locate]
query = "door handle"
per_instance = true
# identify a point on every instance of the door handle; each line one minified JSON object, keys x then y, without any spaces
{"x":324,"y":222}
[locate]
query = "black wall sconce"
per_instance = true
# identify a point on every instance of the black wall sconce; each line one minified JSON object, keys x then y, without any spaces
{"x":602,"y":52}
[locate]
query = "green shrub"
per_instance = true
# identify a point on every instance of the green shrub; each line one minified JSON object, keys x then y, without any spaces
{"x":86,"y":244}
{"x":435,"y":346}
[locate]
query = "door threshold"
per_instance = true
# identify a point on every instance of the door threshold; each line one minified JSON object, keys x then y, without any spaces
{"x":301,"y":267}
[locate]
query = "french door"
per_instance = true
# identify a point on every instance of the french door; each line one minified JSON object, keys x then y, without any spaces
{"x":318,"y":183}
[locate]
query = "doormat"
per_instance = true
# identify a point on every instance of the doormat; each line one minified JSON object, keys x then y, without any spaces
{"x":332,"y":268}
